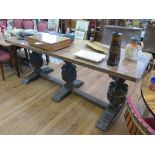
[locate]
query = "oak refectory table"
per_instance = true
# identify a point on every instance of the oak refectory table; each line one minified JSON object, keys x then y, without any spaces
{"x":116,"y":94}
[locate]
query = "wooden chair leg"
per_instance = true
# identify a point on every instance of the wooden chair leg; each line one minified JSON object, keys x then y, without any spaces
{"x":20,"y":65}
{"x":26,"y":53}
{"x":2,"y":71}
{"x":47,"y":59}
{"x":11,"y":64}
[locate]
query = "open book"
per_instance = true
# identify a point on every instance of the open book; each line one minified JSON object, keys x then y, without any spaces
{"x":89,"y":55}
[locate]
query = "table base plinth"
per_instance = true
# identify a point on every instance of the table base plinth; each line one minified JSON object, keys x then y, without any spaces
{"x":107,"y":117}
{"x":35,"y":75}
{"x":64,"y":91}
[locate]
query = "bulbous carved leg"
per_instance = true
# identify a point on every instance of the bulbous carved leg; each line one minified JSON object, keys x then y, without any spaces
{"x":37,"y":62}
{"x":69,"y":75}
{"x":116,"y":96}
{"x":117,"y":92}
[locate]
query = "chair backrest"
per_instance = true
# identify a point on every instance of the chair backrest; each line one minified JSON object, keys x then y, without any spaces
{"x":4,"y":23}
{"x":28,"y":24}
{"x":149,"y":39}
{"x":127,"y":34}
{"x":134,"y":121}
{"x":42,"y":26}
{"x":18,"y":23}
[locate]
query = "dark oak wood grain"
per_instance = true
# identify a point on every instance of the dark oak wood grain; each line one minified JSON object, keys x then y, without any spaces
{"x":128,"y":70}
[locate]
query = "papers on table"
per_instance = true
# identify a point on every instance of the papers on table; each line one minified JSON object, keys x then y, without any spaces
{"x":89,"y":55}
{"x":98,"y":46}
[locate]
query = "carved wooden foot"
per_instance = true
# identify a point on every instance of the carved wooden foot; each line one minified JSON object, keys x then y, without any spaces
{"x":107,"y":117}
{"x":31,"y":77}
{"x":36,"y":61}
{"x":61,"y":93}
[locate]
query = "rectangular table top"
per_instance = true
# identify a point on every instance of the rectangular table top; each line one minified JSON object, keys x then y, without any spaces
{"x":128,"y":70}
{"x":24,"y":44}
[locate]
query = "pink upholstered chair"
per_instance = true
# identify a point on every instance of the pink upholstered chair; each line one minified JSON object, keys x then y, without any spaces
{"x":18,"y":23}
{"x":4,"y":23}
{"x":5,"y":57}
{"x":136,"y":124}
{"x":42,"y":26}
{"x":28,"y":24}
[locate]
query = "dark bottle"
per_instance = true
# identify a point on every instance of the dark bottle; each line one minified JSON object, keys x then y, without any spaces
{"x":115,"y":49}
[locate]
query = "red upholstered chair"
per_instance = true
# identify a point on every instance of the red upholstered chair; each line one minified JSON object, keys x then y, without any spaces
{"x":4,"y":23}
{"x":18,"y":23}
{"x":28,"y":24}
{"x":42,"y":26}
{"x":136,"y":124}
{"x":5,"y":57}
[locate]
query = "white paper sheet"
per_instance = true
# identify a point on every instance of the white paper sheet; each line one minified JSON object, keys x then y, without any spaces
{"x":89,"y":55}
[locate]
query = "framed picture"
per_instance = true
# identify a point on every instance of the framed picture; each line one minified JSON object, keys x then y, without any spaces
{"x":82,"y":25}
{"x":79,"y":34}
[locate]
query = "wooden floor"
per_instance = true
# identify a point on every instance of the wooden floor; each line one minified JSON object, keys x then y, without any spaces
{"x":28,"y":109}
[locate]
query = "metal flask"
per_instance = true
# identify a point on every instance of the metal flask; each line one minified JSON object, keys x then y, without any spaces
{"x":115,"y":49}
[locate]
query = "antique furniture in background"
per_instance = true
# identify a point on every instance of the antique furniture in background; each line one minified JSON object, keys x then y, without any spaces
{"x":28,"y":24}
{"x":136,"y":124}
{"x":3,"y":23}
{"x":18,"y":23}
{"x":43,"y":27}
{"x":13,"y":54}
{"x":63,"y":25}
{"x":118,"y":22}
{"x":91,"y":29}
{"x":126,"y":31}
{"x":5,"y":57}
{"x":98,"y":26}
{"x":149,"y":39}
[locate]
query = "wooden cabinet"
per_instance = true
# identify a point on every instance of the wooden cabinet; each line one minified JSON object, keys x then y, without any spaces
{"x":95,"y":30}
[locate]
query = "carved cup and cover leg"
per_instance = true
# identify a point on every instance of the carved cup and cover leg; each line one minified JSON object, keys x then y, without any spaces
{"x":37,"y":62}
{"x":69,"y":75}
{"x":116,"y":96}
